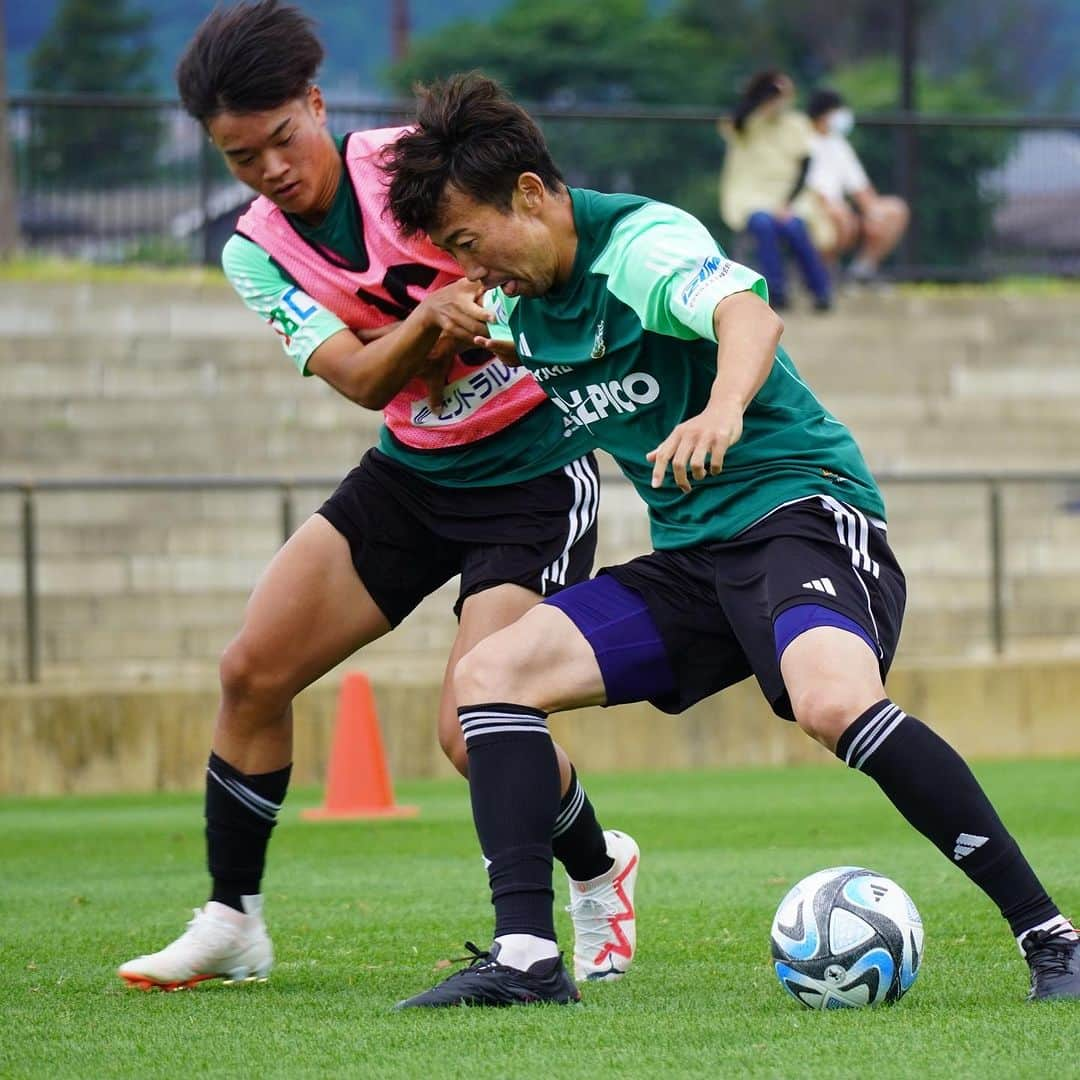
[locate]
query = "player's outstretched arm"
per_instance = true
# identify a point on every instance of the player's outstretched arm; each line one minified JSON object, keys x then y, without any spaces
{"x":747,"y":333}
{"x":371,"y":374}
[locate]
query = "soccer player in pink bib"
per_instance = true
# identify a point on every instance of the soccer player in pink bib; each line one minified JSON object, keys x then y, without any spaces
{"x":475,"y":475}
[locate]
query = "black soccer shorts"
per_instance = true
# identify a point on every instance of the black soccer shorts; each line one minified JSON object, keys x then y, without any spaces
{"x":408,"y":535}
{"x":714,"y":607}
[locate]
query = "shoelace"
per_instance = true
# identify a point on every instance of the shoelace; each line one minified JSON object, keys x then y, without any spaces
{"x":196,"y":923}
{"x":594,"y":934}
{"x":206,"y":928}
{"x":477,"y":959}
{"x":1050,"y":953}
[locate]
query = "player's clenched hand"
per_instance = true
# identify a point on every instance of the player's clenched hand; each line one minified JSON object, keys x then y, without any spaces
{"x":435,"y":371}
{"x":503,"y":349}
{"x":456,"y":309}
{"x":697,"y":445}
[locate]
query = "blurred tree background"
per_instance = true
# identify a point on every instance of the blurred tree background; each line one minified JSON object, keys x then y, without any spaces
{"x":699,"y":53}
{"x":95,"y":46}
{"x":688,"y":57}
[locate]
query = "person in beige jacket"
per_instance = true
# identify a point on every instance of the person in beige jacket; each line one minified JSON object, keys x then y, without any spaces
{"x":762,"y":188}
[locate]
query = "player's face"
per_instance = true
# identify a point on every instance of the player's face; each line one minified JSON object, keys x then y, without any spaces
{"x":286,"y":153}
{"x":513,"y":248}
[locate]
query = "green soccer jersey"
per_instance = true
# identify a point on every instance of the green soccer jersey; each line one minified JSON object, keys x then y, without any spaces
{"x":626,"y":348}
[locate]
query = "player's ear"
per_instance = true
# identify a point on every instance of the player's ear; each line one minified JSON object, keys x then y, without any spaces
{"x":316,"y":102}
{"x":530,"y":191}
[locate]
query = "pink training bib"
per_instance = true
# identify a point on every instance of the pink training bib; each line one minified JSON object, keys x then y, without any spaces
{"x":482,"y":394}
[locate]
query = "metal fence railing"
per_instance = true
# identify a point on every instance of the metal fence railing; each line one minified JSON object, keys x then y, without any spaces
{"x":134,"y":179}
{"x":985,"y":494}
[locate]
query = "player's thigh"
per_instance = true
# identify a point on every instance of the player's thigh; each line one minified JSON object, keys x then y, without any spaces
{"x":832,"y":676}
{"x":655,"y":630}
{"x":309,"y":611}
{"x":816,"y":566}
{"x":542,"y":660}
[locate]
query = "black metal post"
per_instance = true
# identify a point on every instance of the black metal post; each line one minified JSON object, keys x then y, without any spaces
{"x":907,"y":136}
{"x":205,"y":162}
{"x":30,"y":596}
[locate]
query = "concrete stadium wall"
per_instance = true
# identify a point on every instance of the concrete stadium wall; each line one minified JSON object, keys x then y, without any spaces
{"x":175,"y":377}
{"x":140,"y":592}
{"x":130,"y":739}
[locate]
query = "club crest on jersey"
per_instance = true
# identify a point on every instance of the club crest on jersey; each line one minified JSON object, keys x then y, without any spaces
{"x":599,"y":345}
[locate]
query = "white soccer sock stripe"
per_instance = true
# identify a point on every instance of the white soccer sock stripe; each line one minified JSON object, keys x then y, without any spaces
{"x":491,"y":722}
{"x":872,"y":727}
{"x":570,"y":814}
{"x":892,"y":725}
{"x":258,"y":805}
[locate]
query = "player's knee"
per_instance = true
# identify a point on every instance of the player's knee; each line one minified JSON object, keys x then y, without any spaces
{"x":824,"y":712}
{"x":245,"y":675}
{"x":480,"y":676}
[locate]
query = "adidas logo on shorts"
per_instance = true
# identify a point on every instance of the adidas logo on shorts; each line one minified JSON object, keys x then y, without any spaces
{"x":820,"y":585}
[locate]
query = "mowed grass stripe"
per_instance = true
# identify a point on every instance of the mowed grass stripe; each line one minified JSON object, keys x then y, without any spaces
{"x":362,"y":913}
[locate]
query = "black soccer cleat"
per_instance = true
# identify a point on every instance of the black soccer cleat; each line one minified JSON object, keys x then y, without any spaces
{"x":487,"y":982}
{"x":1054,"y":959}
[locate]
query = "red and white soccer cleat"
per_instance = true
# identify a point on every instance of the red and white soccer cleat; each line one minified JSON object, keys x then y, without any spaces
{"x":602,"y":910}
{"x":219,"y":943}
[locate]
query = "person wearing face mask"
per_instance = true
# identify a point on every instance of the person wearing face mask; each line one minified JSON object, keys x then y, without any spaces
{"x":858,"y":217}
{"x":762,"y":185}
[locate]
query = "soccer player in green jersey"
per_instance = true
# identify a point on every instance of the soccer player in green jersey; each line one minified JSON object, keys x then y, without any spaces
{"x":771,"y":554}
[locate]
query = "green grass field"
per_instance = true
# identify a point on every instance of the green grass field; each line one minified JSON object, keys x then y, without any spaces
{"x":361,"y":914}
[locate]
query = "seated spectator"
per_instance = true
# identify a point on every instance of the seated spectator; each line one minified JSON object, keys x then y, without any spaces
{"x":877,"y":222}
{"x":762,"y":184}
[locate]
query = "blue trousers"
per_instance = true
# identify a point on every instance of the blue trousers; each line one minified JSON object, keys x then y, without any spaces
{"x":770,"y":235}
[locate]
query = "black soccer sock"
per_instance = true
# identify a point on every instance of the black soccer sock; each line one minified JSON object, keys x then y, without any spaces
{"x":514,"y":786}
{"x":577,"y":840}
{"x":932,"y":786}
{"x":241,"y":812}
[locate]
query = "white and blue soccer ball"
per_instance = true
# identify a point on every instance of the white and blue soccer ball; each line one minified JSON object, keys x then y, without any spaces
{"x":847,"y":937}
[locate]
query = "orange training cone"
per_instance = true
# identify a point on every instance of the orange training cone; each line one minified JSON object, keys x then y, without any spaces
{"x":357,"y":779}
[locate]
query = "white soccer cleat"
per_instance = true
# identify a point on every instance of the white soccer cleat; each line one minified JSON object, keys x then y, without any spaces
{"x":219,"y":943}
{"x":602,"y":910}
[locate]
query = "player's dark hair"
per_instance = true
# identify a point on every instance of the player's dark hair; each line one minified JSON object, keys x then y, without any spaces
{"x":248,"y":58}
{"x":762,"y":87}
{"x":823,"y":101}
{"x":470,"y":134}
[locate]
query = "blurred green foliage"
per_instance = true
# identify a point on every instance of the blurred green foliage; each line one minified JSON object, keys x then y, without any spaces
{"x":94,"y":46}
{"x":955,"y":206}
{"x":699,"y":53}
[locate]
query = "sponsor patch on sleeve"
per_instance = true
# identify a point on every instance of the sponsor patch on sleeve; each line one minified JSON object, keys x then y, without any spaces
{"x":705,"y":274}
{"x":293,"y":309}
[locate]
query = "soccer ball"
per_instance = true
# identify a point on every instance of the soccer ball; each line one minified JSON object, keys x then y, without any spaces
{"x":846,"y":937}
